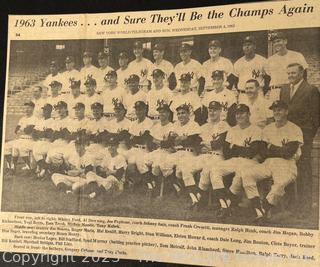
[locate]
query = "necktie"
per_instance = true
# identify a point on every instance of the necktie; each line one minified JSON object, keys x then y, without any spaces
{"x":291,"y":91}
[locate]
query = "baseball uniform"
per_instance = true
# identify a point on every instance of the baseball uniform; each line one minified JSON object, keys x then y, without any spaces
{"x":108,"y":96}
{"x":66,"y":76}
{"x":143,"y":69}
{"x":129,"y":100}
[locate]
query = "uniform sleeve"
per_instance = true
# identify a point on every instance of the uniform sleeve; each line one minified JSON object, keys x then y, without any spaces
{"x":229,"y":67}
{"x":120,"y":162}
{"x":265,"y":135}
{"x":230,"y":136}
{"x":303,"y":61}
{"x":296,"y":134}
{"x":236,"y":68}
{"x":256,"y":134}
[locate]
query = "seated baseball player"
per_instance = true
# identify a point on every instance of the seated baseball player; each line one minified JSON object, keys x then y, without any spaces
{"x":111,"y":91}
{"x":91,"y":96}
{"x":221,"y":94}
{"x":241,"y":151}
{"x":119,"y":122}
{"x":159,"y":92}
{"x":22,"y":145}
{"x":282,"y":148}
{"x":42,"y":134}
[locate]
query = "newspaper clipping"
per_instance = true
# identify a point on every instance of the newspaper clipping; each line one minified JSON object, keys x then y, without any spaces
{"x":184,"y":136}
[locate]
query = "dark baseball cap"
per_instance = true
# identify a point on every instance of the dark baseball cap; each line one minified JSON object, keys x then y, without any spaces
{"x":217,"y":74}
{"x":113,"y":140}
{"x":215,"y":105}
{"x":279,"y":104}
{"x":75,"y":84}
{"x":249,"y":39}
{"x":185,"y":47}
{"x":215,"y":43}
{"x":159,"y":46}
{"x":79,"y":105}
{"x":185,"y":77}
{"x":55,"y":84}
{"x":111,"y":73}
{"x":47,"y":106}
{"x":162,"y":105}
{"x":140,"y":105}
{"x":90,"y":81}
{"x":137,"y":44}
{"x":117,"y":104}
{"x":69,"y":59}
{"x":133,"y":78}
{"x":275,"y":35}
{"x":123,"y":55}
{"x":87,"y":54}
{"x":242,"y":108}
{"x":29,"y":104}
{"x":61,"y":104}
{"x":184,"y":106}
{"x":102,"y":54}
{"x":157,"y":73}
{"x":97,"y":105}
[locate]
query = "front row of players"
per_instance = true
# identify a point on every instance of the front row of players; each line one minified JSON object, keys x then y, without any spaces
{"x":98,"y":156}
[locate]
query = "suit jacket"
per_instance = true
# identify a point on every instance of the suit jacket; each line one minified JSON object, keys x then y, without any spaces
{"x":303,"y":107}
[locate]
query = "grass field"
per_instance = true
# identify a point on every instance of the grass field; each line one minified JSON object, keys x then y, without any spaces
{"x":24,"y":193}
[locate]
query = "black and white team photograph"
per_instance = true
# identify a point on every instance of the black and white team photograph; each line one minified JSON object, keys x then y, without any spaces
{"x":216,"y":128}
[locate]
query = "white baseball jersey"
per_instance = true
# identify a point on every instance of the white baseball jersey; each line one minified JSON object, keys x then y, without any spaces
{"x":77,"y":125}
{"x":252,"y":69}
{"x":191,"y":98}
{"x":129,"y":100}
{"x":73,"y":159}
{"x":193,"y":67}
{"x":54,"y":101}
{"x":72,"y":101}
{"x":43,"y":124}
{"x":277,"y":66}
{"x":155,"y":95}
{"x":62,"y":123}
{"x":243,"y":137}
{"x":113,"y":164}
{"x":25,"y":121}
{"x":138,"y":128}
{"x":122,"y":75}
{"x":225,"y":97}
{"x":165,"y":66}
{"x":50,"y":78}
{"x":210,"y":66}
{"x":190,"y":128}
{"x":161,"y":132}
{"x":85,"y":71}
{"x":66,"y":76}
{"x":290,"y":132}
{"x":38,"y":104}
{"x":143,"y":69}
{"x":210,"y":131}
{"x":259,"y":110}
{"x":97,"y":126}
{"x":115,"y":126}
{"x":101,"y":73}
{"x":107,"y":97}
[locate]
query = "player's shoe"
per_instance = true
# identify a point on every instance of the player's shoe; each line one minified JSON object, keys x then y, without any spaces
{"x":223,"y":213}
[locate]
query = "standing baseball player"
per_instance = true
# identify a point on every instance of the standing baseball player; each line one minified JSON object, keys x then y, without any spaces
{"x":104,"y":68}
{"x":250,"y":66}
{"x":217,"y":62}
{"x":141,"y":66}
{"x":164,"y":65}
{"x":111,"y":91}
{"x":277,"y":64}
{"x":75,"y":96}
{"x":39,"y":100}
{"x":159,"y":92}
{"x":69,"y":74}
{"x":88,"y":69}
{"x":283,"y":140}
{"x":22,"y":145}
{"x":123,"y":71}
{"x":191,"y":67}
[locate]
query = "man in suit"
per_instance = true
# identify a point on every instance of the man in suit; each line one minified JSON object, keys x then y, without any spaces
{"x":303,"y":100}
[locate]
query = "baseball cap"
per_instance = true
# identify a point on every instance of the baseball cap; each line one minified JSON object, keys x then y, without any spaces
{"x":185,"y":106}
{"x":249,"y":39}
{"x":217,"y":74}
{"x":87,"y":54}
{"x":55,"y":83}
{"x":53,"y":63}
{"x":242,"y":108}
{"x":113,"y":140}
{"x":69,"y":59}
{"x":61,"y":104}
{"x":90,"y":81}
{"x":185,"y":47}
{"x":140,"y":105}
{"x":117,"y":104}
{"x":79,"y":105}
{"x":185,"y":77}
{"x":158,"y":46}
{"x":162,"y":105}
{"x":215,"y":43}
{"x":29,"y":104}
{"x":278,"y":104}
{"x":123,"y":55}
{"x":133,"y":78}
{"x":111,"y":73}
{"x":97,"y":105}
{"x":137,"y":44}
{"x":74,"y":83}
{"x":102,"y":54}
{"x":157,"y":73}
{"x":277,"y":35}
{"x":215,"y":105}
{"x":47,"y":106}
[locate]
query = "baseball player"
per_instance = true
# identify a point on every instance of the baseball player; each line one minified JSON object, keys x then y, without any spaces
{"x":134,"y":95}
{"x":69,"y":74}
{"x":54,"y":74}
{"x":186,"y":95}
{"x":39,"y":100}
{"x":283,"y":140}
{"x":42,"y":134}
{"x":163,"y":65}
{"x":159,"y":92}
{"x":217,"y":62}
{"x":141,"y":66}
{"x":241,"y":151}
{"x":123,"y":71}
{"x":111,"y":91}
{"x":22,"y":145}
{"x":225,"y":97}
{"x":103,"y":69}
{"x":277,"y":64}
{"x":250,"y":66}
{"x":88,"y":69}
{"x":80,"y":122}
{"x":55,"y":97}
{"x":75,"y":96}
{"x":91,"y":96}
{"x":119,"y":122}
{"x":258,"y":105}
{"x":191,"y":67}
